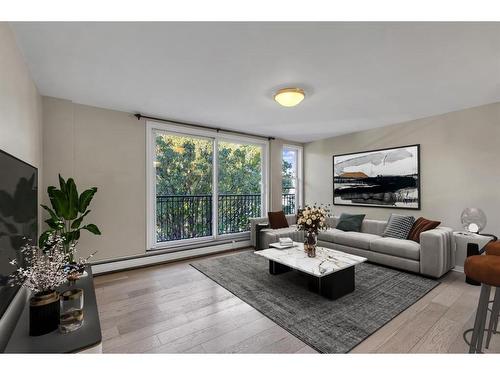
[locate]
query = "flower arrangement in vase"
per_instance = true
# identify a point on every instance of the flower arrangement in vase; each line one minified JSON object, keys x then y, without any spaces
{"x":42,"y":271}
{"x":312,"y":219}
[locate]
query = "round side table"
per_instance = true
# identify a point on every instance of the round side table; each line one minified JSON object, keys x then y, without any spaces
{"x":472,"y":243}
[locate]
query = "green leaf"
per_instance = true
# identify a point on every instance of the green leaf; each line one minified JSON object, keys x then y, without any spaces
{"x":42,"y":241}
{"x":62,"y":184}
{"x":76,"y":224}
{"x":85,"y":199}
{"x":51,"y":212}
{"x":92,"y":228}
{"x":72,"y":196}
{"x":54,"y":223}
{"x":60,"y":203}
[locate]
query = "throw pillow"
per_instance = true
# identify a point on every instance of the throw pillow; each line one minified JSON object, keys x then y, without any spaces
{"x":277,"y":220}
{"x":350,"y":223}
{"x":421,"y":225}
{"x":399,"y":226}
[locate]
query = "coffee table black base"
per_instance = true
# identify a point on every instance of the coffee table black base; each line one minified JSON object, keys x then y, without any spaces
{"x":276,"y":268}
{"x":332,"y":286}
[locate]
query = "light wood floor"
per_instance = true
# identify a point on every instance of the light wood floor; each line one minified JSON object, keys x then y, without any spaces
{"x":173,"y":308}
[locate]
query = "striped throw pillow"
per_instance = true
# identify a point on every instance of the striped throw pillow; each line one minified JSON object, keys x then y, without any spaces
{"x":399,"y":226}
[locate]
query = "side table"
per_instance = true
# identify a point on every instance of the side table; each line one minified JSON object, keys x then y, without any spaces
{"x":471,"y":244}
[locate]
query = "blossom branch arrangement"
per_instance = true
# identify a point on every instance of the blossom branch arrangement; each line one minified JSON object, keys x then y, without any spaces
{"x":312,"y":219}
{"x":41,"y":271}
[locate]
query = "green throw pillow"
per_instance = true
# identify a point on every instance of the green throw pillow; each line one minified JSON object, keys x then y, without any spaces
{"x":350,"y":223}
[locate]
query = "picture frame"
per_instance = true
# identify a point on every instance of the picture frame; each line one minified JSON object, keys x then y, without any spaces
{"x":383,"y":178}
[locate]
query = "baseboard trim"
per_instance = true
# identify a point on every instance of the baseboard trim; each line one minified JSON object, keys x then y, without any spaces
{"x":149,"y":260}
{"x":458,"y":269}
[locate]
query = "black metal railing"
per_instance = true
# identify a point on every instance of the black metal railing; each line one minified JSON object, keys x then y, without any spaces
{"x":288,"y":203}
{"x":181,"y":217}
{"x":235,"y":210}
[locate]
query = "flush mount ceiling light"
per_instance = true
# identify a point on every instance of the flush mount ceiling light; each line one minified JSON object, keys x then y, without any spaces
{"x":289,"y":97}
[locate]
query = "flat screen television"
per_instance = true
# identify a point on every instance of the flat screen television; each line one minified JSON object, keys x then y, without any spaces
{"x":18,"y":217}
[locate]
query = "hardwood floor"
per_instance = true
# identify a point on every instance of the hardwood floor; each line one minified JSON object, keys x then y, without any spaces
{"x":173,"y":308}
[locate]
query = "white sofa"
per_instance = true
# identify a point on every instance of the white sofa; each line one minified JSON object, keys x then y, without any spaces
{"x":433,"y":256}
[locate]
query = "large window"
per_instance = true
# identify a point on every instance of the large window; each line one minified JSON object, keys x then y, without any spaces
{"x":202,"y":186}
{"x":291,"y":178}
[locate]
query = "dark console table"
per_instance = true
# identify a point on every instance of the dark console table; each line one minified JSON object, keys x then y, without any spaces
{"x":86,"y":339}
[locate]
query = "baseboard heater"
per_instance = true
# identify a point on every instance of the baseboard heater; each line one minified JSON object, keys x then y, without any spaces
{"x":164,"y":256}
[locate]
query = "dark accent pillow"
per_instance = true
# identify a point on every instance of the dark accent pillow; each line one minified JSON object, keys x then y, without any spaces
{"x":399,"y":226}
{"x":350,"y":223}
{"x":277,"y":220}
{"x":421,"y":225}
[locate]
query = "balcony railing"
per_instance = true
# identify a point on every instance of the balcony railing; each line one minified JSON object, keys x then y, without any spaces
{"x":180,"y":217}
{"x":288,"y":203}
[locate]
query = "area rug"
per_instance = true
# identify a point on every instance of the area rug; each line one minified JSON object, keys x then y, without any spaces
{"x":327,"y":326}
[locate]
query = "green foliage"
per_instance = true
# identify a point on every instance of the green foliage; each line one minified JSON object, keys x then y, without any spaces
{"x":67,"y":213}
{"x":184,"y":166}
{"x":287,"y":176}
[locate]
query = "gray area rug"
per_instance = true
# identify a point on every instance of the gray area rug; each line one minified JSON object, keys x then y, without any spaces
{"x":327,"y":326}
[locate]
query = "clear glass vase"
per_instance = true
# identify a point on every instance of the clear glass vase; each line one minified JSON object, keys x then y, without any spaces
{"x":310,"y":243}
{"x":71,"y":310}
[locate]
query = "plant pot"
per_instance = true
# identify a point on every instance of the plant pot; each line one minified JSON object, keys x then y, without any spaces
{"x":44,"y":313}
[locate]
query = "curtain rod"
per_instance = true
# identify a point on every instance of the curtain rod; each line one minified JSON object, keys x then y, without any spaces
{"x":139,"y":116}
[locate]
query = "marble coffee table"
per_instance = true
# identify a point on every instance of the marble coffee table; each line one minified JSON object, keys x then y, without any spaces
{"x":330,"y":273}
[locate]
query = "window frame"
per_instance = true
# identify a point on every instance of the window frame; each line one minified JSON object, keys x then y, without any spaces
{"x":152,"y":127}
{"x":299,"y":187}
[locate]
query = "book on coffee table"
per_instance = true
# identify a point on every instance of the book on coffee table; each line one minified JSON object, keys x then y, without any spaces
{"x":284,"y":243}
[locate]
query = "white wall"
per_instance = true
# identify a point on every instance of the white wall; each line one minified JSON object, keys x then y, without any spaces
{"x":106,"y":149}
{"x":460,"y":165}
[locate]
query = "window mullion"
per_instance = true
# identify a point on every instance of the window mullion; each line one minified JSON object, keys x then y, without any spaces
{"x":215,"y":189}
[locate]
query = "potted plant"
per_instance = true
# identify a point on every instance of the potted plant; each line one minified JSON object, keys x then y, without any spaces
{"x":67,"y":214}
{"x":311,"y":220}
{"x":42,"y":271}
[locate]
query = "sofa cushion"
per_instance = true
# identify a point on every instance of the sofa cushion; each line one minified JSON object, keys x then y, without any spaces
{"x":350,"y":222}
{"x":399,"y":226}
{"x":277,"y":220}
{"x":329,"y":234}
{"x":355,"y":239}
{"x":421,"y":225}
{"x":396,"y":247}
{"x":373,"y":226}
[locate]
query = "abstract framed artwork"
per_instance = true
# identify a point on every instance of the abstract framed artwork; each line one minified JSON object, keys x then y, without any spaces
{"x":387,"y":177}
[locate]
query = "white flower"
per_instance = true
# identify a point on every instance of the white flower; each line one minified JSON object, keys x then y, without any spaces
{"x":313,"y":217}
{"x":309,"y":221}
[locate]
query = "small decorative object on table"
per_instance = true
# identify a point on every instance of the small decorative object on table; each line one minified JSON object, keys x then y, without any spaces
{"x":42,"y":271}
{"x":312,"y":220}
{"x":71,"y":310}
{"x":285,"y":242}
{"x":473,"y":220}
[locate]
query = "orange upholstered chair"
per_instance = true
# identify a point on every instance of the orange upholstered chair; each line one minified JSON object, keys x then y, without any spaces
{"x":484,"y":269}
{"x":493,"y":248}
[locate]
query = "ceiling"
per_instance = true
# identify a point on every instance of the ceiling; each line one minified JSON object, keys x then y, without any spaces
{"x":356,"y":75}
